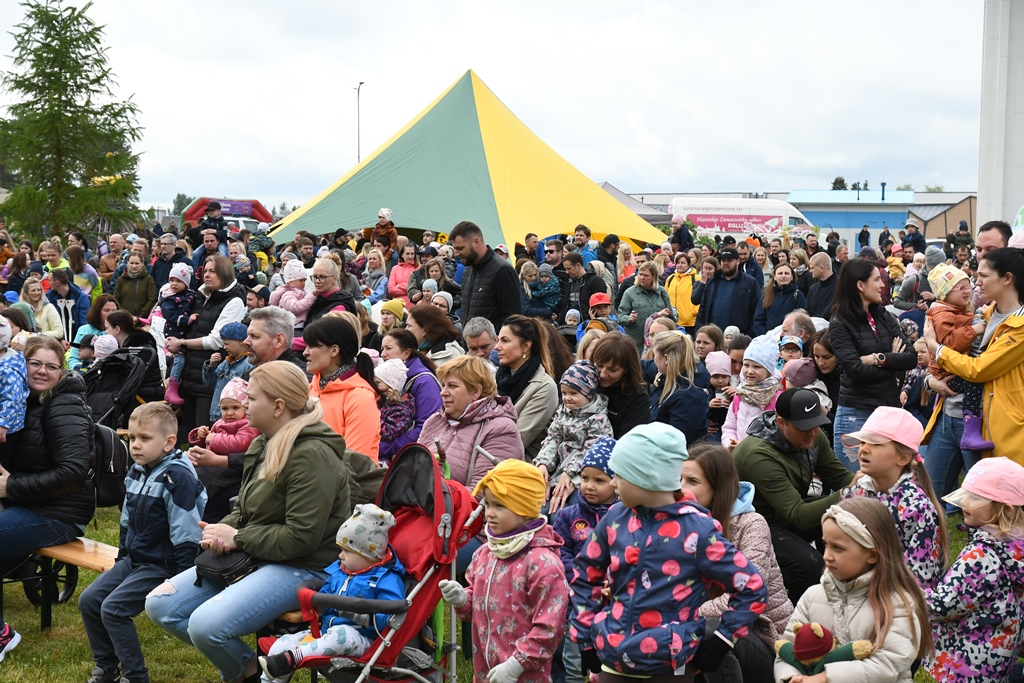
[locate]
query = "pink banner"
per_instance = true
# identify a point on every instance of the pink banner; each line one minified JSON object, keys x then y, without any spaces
{"x":736,"y":223}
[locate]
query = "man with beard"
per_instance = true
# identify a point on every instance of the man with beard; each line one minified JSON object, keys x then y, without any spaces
{"x":581,"y":239}
{"x":731,"y":297}
{"x":490,"y":287}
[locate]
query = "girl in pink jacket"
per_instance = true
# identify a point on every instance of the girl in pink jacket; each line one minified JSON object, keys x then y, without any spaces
{"x":231,"y":433}
{"x":517,"y":595}
{"x":758,"y":389}
{"x":293,"y":295}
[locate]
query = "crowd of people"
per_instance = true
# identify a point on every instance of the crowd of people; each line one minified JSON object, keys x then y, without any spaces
{"x":787,"y":419}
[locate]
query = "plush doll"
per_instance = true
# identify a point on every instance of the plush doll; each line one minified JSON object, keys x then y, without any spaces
{"x":813,"y":647}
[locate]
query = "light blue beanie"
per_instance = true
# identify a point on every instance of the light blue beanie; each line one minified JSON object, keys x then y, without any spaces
{"x":764,"y":352}
{"x":651,"y":457}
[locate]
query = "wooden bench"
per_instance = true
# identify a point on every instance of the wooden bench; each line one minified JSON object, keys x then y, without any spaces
{"x":81,"y":552}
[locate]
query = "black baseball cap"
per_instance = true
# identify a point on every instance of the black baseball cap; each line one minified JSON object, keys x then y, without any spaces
{"x":802,"y":408}
{"x":213,"y":206}
{"x":728,"y":253}
{"x":85,"y":343}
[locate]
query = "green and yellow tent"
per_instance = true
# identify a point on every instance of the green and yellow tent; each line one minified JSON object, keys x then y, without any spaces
{"x":466,"y":157}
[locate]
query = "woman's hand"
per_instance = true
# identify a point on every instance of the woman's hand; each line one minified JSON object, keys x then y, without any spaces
{"x":898,"y":345}
{"x":929,"y":337}
{"x":175,"y":345}
{"x":206,"y":458}
{"x":561,"y":494}
{"x":544,"y":471}
{"x":218,"y":538}
{"x":869,"y":359}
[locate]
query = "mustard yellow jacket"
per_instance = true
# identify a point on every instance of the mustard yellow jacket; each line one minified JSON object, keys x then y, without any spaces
{"x":1001,"y":369}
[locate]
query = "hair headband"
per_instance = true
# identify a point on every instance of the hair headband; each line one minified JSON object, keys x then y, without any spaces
{"x":850,"y":525}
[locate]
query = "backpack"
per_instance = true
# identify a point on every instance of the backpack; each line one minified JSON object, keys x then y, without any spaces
{"x":111,"y":467}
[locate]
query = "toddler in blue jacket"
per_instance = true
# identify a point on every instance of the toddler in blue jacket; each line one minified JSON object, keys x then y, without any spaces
{"x":366,"y":568}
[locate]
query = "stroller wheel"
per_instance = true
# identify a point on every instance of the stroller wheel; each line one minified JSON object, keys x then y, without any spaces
{"x":63,"y":580}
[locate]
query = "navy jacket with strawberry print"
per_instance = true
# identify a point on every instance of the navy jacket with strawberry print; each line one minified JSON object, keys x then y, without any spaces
{"x":661,"y":564}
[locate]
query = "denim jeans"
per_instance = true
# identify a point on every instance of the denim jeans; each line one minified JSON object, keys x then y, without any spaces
{"x":177,"y":365}
{"x":24,"y":532}
{"x":108,"y":606}
{"x":945,"y":459}
{"x":214,"y":618}
{"x":572,"y":661}
{"x":848,"y":420}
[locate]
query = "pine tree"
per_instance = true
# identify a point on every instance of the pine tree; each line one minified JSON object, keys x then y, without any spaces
{"x":66,"y":137}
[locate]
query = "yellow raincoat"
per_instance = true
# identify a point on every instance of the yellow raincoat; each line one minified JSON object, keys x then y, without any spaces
{"x":679,"y":288}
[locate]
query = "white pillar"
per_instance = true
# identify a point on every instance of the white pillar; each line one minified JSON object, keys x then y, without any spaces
{"x":1001,"y":158}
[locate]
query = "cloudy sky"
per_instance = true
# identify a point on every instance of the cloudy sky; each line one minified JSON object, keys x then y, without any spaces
{"x":257,"y":99}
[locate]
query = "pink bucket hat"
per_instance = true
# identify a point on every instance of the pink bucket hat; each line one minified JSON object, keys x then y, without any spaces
{"x":237,"y":389}
{"x":888,"y":424}
{"x":999,"y":480}
{"x":718,"y":363}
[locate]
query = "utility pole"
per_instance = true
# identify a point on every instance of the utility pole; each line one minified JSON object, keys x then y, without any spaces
{"x":359,"y":155}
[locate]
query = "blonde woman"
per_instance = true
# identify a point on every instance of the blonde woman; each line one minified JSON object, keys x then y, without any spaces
{"x":674,"y":398}
{"x":626,"y":262}
{"x":801,"y":270}
{"x":375,"y":276}
{"x":47,"y":317}
{"x":585,"y":347}
{"x":762,"y":260}
{"x":294,"y":496}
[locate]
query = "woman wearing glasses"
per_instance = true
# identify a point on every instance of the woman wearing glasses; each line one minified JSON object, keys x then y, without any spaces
{"x":49,"y":496}
{"x":329,"y":294}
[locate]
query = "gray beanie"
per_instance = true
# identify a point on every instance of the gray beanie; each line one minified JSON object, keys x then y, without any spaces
{"x":546,"y":269}
{"x":366,"y":531}
{"x":933,"y":256}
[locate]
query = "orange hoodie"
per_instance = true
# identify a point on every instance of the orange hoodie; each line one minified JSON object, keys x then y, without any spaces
{"x":350,"y":409}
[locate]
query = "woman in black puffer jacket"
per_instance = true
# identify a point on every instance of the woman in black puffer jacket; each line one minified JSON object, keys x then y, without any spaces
{"x":46,"y":481}
{"x":221,"y":300}
{"x":871,"y":349}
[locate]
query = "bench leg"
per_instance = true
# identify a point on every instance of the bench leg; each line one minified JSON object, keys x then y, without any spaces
{"x":46,"y":594}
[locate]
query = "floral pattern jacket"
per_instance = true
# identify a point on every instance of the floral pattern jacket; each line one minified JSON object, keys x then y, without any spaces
{"x":976,"y":611}
{"x":917,"y":524}
{"x":517,"y":606}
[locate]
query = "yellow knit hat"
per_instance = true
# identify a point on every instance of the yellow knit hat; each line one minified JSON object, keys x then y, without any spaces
{"x":517,"y":485}
{"x":395,"y":307}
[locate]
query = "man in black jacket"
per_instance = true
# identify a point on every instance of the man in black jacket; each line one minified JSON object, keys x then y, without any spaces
{"x":490,"y":287}
{"x":583,"y":283}
{"x":731,"y":298}
{"x":822,"y":293}
{"x":608,"y":252}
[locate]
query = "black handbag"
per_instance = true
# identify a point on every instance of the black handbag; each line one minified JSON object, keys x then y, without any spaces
{"x":224,"y":569}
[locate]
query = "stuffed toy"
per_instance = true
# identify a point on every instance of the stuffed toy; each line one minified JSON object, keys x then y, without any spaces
{"x":814,"y":646}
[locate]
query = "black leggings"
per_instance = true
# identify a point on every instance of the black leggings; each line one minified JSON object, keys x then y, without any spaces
{"x":800,"y":562}
{"x":194,"y":413}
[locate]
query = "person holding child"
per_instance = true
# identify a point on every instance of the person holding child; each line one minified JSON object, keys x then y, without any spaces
{"x":867,"y":593}
{"x":645,"y":627}
{"x":578,"y":423}
{"x":163,"y":505}
{"x":976,"y":608}
{"x":366,"y":568}
{"x":515,"y":637}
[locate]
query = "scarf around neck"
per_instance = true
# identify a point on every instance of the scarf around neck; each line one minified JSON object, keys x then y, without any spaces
{"x":513,"y":384}
{"x":760,"y":394}
{"x":509,"y":544}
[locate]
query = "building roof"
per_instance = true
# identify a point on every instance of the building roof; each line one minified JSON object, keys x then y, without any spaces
{"x":805,"y":197}
{"x":649,"y":214}
{"x":927,"y":212}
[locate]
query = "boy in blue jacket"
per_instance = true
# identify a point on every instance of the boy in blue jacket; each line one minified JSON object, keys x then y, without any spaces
{"x":575,"y":524}
{"x":366,"y":568}
{"x":160,"y":534}
{"x":661,"y":553}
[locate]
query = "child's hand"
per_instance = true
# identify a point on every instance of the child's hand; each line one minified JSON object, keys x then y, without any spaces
{"x":453,"y":593}
{"x":718,"y":403}
{"x":544,"y":471}
{"x":730,"y":391}
{"x":508,"y":671}
{"x":202,"y":433}
{"x":209,"y":438}
{"x":215,"y":358}
{"x":979,"y":328}
{"x":819,"y":678}
{"x":3,"y":434}
{"x":192,"y":318}
{"x":732,"y":444}
{"x":903,"y":398}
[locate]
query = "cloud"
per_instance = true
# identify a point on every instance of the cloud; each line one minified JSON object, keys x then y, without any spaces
{"x":257,"y":99}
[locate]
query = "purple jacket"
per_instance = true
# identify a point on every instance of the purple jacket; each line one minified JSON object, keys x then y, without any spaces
{"x":487,"y":422}
{"x":575,"y":524}
{"x":425,"y":390}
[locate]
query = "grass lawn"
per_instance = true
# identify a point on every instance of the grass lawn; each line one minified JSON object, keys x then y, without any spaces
{"x":61,"y":655}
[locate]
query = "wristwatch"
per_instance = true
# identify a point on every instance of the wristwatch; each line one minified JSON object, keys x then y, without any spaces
{"x":880,"y":360}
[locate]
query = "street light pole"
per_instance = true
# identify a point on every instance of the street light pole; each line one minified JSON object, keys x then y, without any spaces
{"x":358,"y":136}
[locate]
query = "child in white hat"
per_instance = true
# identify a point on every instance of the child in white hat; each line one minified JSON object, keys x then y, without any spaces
{"x":366,"y":568}
{"x":176,"y":300}
{"x":293,"y":296}
{"x":397,"y":408}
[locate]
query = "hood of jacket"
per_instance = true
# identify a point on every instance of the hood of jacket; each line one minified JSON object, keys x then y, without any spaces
{"x":745,"y":501}
{"x":545,"y":537}
{"x":598,"y":406}
{"x":71,"y":384}
{"x":487,"y":409}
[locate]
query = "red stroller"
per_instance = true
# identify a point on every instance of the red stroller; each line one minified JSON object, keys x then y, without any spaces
{"x":434,"y":517}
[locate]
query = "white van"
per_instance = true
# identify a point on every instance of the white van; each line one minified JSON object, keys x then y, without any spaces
{"x":763,"y":216}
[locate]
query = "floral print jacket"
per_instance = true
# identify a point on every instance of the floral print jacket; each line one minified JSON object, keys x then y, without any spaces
{"x":917,"y":524}
{"x":661,"y":564}
{"x":976,"y":611}
{"x":517,"y":606}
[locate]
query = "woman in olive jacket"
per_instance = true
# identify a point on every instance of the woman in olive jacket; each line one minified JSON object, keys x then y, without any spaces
{"x":294,"y":496}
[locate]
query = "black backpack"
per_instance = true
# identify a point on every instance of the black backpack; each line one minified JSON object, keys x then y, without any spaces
{"x":112,"y":464}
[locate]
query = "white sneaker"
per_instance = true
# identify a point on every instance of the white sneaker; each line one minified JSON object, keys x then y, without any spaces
{"x":9,"y":639}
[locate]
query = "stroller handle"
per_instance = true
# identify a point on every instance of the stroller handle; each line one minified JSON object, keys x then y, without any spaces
{"x":359,"y":605}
